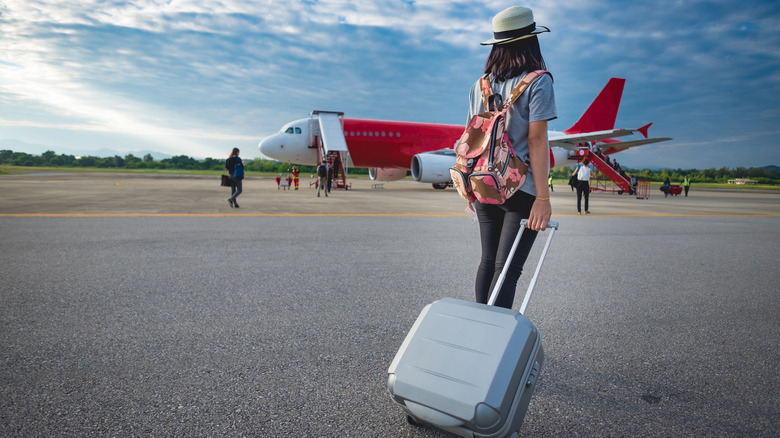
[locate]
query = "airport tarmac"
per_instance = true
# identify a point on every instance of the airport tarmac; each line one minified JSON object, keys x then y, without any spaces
{"x":140,"y":306}
{"x":145,"y":194}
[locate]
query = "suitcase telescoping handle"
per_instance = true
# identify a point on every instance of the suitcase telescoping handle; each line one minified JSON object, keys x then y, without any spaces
{"x":552,"y":226}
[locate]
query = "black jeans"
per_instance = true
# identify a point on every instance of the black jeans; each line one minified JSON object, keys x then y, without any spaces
{"x":583,"y":189}
{"x":498,"y":227}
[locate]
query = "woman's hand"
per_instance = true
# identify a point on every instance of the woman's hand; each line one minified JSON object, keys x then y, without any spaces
{"x":541,"y":212}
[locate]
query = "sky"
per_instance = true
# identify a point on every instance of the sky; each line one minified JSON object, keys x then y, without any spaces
{"x":199,"y":77}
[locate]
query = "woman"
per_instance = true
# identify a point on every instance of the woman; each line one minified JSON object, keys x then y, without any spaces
{"x":235,"y":168}
{"x":583,"y":184}
{"x":515,"y":53}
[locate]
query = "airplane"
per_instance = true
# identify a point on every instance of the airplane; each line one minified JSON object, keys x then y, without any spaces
{"x":392,"y":150}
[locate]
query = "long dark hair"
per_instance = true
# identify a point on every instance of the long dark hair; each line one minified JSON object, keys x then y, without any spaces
{"x":509,"y":60}
{"x":234,"y":152}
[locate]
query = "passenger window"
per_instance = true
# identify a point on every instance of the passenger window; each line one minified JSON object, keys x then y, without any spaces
{"x":297,"y":130}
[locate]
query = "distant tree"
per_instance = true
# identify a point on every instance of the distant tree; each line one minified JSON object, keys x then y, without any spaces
{"x":65,"y":160}
{"x":765,"y":175}
{"x":212,"y":164}
{"x":757,"y":172}
{"x":86,"y":161}
{"x":25,"y":159}
{"x":47,"y":157}
{"x":133,"y":162}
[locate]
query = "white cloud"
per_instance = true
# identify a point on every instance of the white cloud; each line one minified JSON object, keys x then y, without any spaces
{"x":186,"y":72}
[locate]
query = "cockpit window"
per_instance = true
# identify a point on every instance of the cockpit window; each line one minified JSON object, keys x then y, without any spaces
{"x":297,"y":130}
{"x":289,"y":130}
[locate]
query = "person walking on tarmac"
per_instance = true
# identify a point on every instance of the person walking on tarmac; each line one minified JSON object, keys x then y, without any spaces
{"x":235,"y":168}
{"x":336,"y":167}
{"x":515,"y":53}
{"x":330,"y":175}
{"x":295,"y":173}
{"x":686,"y":184}
{"x":322,"y":176}
{"x":583,"y":184}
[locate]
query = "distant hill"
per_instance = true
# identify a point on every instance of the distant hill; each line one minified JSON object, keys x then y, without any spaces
{"x":38,"y":149}
{"x":772,"y":168}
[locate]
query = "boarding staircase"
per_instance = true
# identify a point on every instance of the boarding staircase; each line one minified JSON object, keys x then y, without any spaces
{"x":623,"y":183}
{"x":334,"y":158}
{"x":327,"y":135}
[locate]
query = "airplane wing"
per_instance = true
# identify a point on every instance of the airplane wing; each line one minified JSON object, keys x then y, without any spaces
{"x":618,"y":146}
{"x":570,"y":141}
{"x":606,"y":138}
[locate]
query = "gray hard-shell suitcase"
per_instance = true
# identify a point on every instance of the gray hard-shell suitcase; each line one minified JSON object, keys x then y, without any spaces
{"x":470,"y":368}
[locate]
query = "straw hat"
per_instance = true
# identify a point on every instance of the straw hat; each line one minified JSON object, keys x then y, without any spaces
{"x":514,"y":24}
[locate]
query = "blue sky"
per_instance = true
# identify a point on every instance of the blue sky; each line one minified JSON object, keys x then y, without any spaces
{"x":198,"y":77}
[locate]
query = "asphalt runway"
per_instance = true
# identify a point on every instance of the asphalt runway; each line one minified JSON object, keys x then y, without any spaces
{"x":124,"y":316}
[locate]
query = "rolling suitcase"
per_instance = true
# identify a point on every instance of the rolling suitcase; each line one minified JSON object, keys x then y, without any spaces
{"x":470,"y":368}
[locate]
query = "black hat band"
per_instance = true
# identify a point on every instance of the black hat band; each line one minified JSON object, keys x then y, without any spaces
{"x":515,"y":32}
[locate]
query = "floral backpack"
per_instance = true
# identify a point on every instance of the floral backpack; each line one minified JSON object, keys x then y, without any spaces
{"x":487,"y":169}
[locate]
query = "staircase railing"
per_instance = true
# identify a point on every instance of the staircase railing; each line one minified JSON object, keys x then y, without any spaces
{"x":622,"y":182}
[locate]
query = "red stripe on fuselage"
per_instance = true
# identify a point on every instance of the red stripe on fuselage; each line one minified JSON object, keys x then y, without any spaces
{"x":393,"y":144}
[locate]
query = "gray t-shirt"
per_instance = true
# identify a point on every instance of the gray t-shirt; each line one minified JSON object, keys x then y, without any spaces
{"x":535,"y":104}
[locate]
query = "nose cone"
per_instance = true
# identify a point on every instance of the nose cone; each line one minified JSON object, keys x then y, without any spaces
{"x":287,"y":147}
{"x":269,"y":146}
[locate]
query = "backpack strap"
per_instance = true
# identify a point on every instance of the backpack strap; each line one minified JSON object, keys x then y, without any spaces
{"x":516,"y":92}
{"x":487,"y":90}
{"x":521,"y":86}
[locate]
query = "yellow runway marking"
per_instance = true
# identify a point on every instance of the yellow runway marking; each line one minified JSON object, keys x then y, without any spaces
{"x":179,"y":215}
{"x":668,"y":215}
{"x":229,"y":215}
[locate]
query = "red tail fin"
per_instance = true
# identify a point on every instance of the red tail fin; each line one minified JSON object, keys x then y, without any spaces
{"x":601,"y":114}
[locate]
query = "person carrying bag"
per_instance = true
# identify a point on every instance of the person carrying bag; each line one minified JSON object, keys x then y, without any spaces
{"x":235,"y":168}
